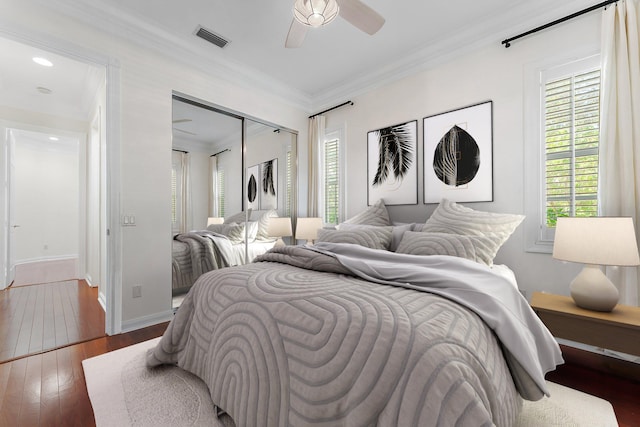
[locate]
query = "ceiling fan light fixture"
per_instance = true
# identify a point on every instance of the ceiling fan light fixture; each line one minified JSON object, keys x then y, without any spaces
{"x":315,"y":13}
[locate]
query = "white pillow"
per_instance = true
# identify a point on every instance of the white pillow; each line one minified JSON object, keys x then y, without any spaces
{"x":450,"y":217}
{"x":474,"y":248}
{"x":375,"y":214}
{"x":234,"y":232}
{"x":261,"y":217}
{"x":370,"y":237}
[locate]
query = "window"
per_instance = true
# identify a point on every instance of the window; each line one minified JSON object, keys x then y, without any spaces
{"x":220,"y":193}
{"x":176,"y":191}
{"x":332,"y":191}
{"x":289,"y":177}
{"x":571,"y":135}
{"x":562,"y":126}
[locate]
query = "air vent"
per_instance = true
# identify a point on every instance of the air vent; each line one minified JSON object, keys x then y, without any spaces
{"x":211,"y":37}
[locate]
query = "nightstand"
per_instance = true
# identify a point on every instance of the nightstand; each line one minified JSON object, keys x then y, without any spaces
{"x":618,"y":330}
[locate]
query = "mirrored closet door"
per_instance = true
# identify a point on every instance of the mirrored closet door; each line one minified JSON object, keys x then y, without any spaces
{"x":230,"y":174}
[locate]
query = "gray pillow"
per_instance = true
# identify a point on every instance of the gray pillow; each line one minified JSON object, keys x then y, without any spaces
{"x":370,"y":237}
{"x":450,"y":217}
{"x":475,"y":248}
{"x":375,"y":214}
{"x":397,"y":231}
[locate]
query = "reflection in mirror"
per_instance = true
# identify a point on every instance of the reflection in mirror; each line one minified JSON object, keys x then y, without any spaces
{"x":211,"y":149}
{"x":270,"y":160}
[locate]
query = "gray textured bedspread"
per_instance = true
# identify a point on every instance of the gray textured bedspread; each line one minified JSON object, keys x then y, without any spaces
{"x":297,"y":340}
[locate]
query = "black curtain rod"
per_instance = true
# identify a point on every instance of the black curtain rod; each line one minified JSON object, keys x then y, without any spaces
{"x":507,"y":42}
{"x":220,"y":152}
{"x":180,"y":151}
{"x":332,"y":108}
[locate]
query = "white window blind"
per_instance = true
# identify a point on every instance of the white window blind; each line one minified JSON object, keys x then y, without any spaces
{"x":571,"y":137}
{"x":289,"y":178}
{"x":220,"y":192}
{"x":174,"y":197}
{"x":331,"y":174}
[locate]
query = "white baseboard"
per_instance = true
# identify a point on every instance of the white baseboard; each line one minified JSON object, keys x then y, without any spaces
{"x":102,"y":299}
{"x":144,"y":321}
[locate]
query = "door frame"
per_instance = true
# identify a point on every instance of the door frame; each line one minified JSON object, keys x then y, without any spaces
{"x":111,"y":261}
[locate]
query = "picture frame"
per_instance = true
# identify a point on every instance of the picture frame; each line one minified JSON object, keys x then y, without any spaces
{"x":253,"y":187}
{"x":458,"y":155}
{"x":392,"y":170}
{"x":269,"y":184}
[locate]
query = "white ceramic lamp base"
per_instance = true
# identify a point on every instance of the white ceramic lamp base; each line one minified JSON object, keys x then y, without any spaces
{"x":592,"y":290}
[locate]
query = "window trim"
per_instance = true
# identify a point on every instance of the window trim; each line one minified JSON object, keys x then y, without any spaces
{"x":537,"y":239}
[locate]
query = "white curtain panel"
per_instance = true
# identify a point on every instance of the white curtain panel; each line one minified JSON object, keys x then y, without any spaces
{"x":316,"y":140}
{"x":186,"y":193}
{"x":620,"y":128}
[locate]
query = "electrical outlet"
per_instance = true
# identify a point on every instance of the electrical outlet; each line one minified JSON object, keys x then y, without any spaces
{"x":137,"y":291}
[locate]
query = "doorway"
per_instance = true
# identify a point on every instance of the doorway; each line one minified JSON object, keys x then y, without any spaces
{"x":45,"y":196}
{"x":67,"y":100}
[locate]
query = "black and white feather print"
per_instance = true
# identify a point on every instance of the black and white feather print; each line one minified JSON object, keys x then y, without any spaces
{"x":395,"y":155}
{"x":268,"y":186}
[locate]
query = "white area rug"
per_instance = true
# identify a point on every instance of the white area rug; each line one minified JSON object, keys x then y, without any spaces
{"x":124,"y":393}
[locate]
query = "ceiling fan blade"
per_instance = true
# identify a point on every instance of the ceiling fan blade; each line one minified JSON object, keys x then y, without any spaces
{"x":185,"y":131}
{"x":361,"y":16}
{"x":297,"y":34}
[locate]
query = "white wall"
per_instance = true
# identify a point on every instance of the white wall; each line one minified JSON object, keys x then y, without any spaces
{"x":46,"y":187}
{"x":493,"y":73}
{"x":147,"y":79}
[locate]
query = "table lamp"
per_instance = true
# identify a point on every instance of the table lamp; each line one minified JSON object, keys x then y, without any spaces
{"x":214,"y":220}
{"x":594,"y":242}
{"x":307,"y":229}
{"x":279,"y":227}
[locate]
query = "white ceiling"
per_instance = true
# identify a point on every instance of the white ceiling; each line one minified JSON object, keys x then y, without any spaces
{"x":334,"y":63}
{"x":335,"y":60}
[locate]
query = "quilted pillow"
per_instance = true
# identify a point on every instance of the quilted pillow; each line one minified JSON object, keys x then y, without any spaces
{"x":375,"y":214}
{"x":397,"y":231}
{"x":261,"y":217}
{"x":371,"y":237}
{"x":234,"y":232}
{"x":475,"y":248}
{"x":450,"y":217}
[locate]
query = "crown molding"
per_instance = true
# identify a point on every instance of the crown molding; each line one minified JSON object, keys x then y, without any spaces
{"x":447,"y":49}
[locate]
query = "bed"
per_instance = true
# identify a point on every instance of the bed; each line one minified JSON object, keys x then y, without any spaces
{"x":220,"y":245}
{"x":349,"y":334}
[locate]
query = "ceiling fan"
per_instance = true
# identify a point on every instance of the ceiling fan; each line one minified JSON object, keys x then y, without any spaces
{"x":316,"y":13}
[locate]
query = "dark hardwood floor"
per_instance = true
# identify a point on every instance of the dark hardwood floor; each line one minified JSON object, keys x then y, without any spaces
{"x":42,"y":317}
{"x":49,"y":389}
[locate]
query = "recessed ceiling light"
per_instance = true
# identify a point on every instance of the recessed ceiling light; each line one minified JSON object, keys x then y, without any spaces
{"x":42,"y":61}
{"x":44,"y":90}
{"x":54,"y":138}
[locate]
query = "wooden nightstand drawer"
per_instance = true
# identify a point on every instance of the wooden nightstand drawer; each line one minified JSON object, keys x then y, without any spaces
{"x":618,"y":330}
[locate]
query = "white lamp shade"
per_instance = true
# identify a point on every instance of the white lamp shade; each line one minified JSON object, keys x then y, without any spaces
{"x":596,"y":241}
{"x":279,"y":227}
{"x":214,"y":220}
{"x":307,"y":228}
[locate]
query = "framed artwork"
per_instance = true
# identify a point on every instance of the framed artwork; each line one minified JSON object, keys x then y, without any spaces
{"x":392,"y":172}
{"x":253,"y":187}
{"x":458,"y":155}
{"x":269,"y":181}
